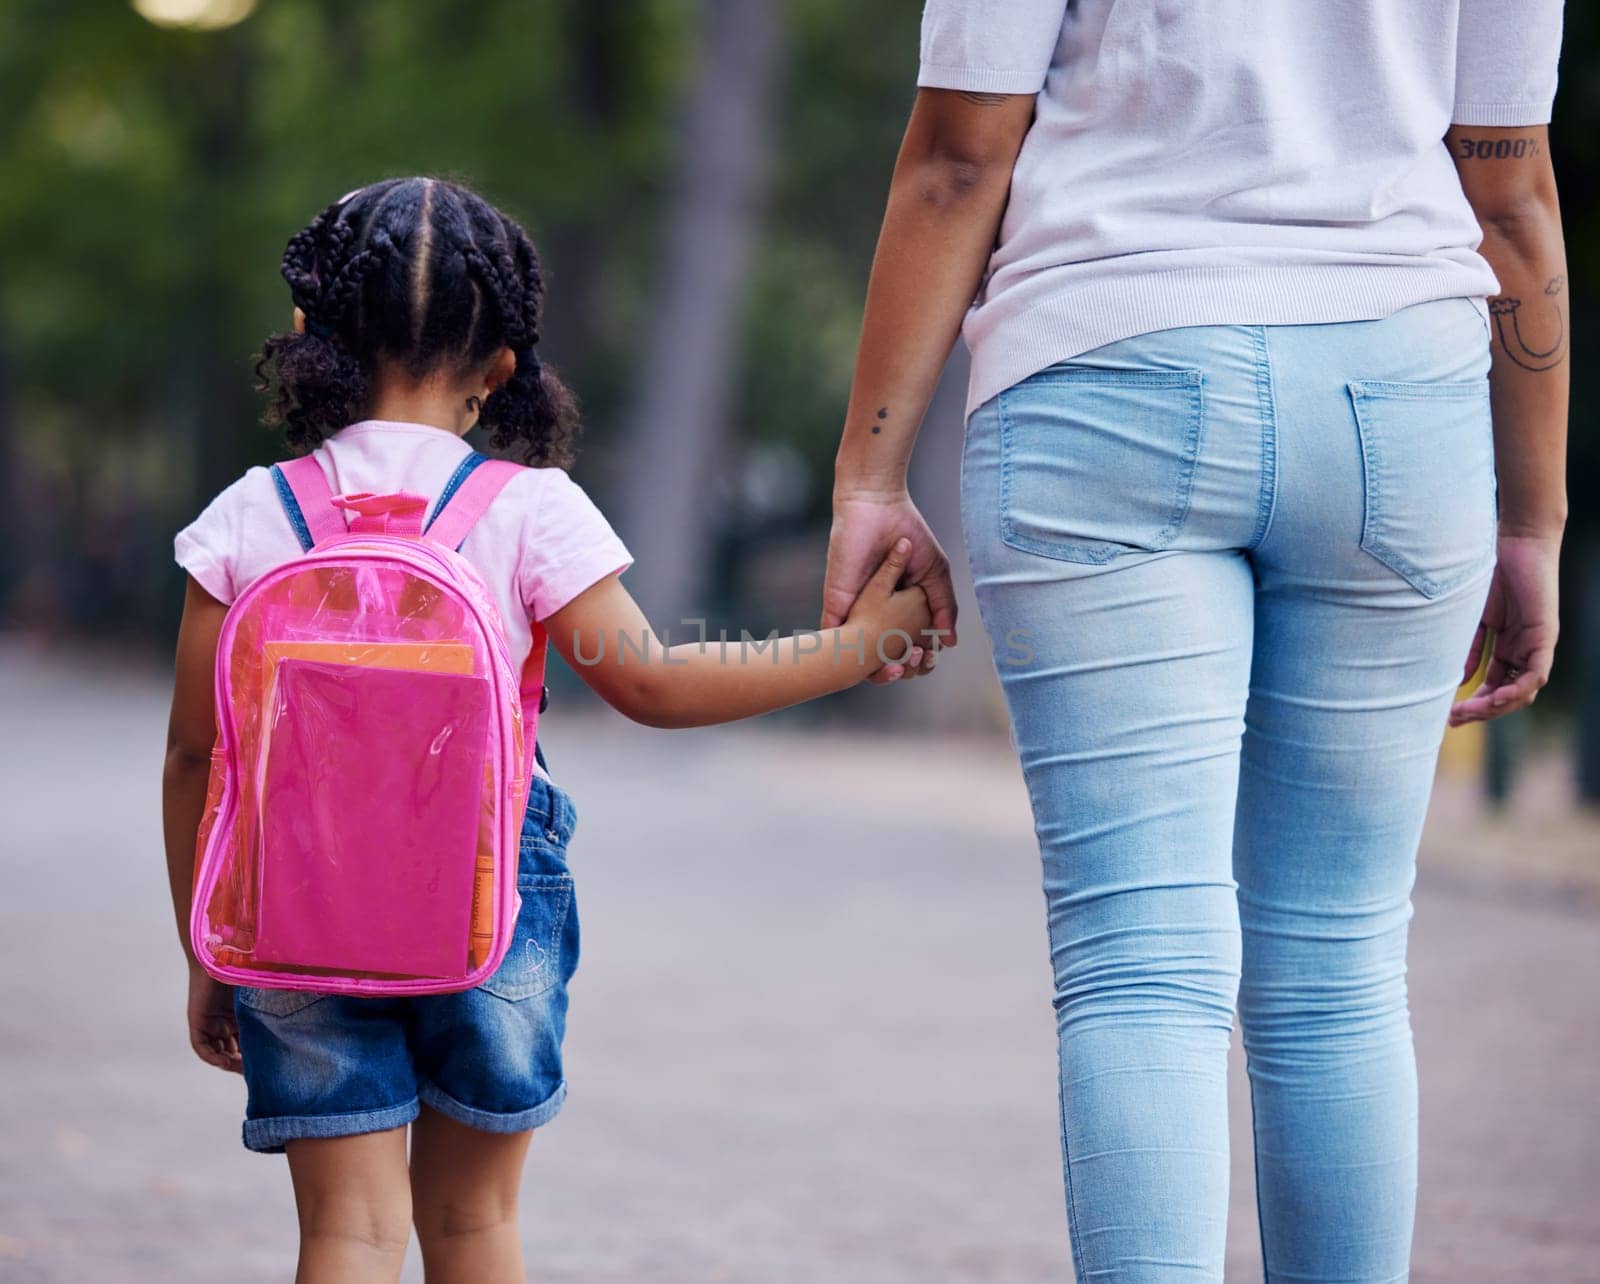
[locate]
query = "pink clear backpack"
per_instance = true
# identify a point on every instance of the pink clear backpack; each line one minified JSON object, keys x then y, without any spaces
{"x":362,"y":822}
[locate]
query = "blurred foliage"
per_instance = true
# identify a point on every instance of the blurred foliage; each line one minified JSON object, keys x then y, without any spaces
{"x":149,"y":178}
{"x":152,"y":175}
{"x":851,"y":79}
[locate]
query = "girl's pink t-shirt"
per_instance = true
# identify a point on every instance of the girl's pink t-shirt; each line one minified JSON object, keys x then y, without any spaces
{"x":541,"y":543}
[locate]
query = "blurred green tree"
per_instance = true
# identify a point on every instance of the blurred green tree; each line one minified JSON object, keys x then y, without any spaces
{"x":151,"y":176}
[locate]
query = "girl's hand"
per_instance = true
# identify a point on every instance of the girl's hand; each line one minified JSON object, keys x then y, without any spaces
{"x":891,"y":621}
{"x":213,"y":1030}
{"x":1521,"y":612}
{"x":864,"y":526}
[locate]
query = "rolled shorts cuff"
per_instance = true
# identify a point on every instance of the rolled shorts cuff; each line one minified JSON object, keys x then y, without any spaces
{"x":268,"y":1136}
{"x":493,"y":1120}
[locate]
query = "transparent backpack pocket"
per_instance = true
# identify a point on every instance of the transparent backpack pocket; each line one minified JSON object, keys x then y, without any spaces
{"x":370,"y":785}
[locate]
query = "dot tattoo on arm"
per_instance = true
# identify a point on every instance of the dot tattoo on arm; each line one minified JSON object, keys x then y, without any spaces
{"x":883,"y":413}
{"x":1508,"y":329}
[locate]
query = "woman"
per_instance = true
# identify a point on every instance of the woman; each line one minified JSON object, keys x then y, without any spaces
{"x":1230,"y":497}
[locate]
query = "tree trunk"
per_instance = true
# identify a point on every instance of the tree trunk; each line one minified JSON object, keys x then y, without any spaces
{"x":678,"y":429}
{"x":575,"y":250}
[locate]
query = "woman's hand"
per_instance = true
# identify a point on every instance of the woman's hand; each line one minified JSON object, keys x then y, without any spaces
{"x":866,"y":526}
{"x":213,"y":1029}
{"x":1521,"y":613}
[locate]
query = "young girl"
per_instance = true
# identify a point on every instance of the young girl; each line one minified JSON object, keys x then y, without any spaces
{"x":416,"y":316}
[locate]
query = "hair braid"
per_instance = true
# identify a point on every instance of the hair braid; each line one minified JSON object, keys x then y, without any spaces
{"x":338,"y":296}
{"x":532,"y":284}
{"x":504,"y":296}
{"x":299,"y":266}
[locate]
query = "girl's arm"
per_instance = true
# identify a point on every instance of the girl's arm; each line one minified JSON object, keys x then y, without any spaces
{"x":191,"y":731}
{"x":603,"y":634}
{"x":1508,"y":180}
{"x":945,"y":203}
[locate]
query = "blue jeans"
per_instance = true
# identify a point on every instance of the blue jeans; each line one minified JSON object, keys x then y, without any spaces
{"x":1230,"y":574}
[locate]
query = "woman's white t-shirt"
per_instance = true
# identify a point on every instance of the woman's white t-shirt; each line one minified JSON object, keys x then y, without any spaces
{"x":1199,"y":162}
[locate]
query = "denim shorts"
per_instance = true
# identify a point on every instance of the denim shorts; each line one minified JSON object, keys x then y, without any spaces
{"x":330,"y":1065}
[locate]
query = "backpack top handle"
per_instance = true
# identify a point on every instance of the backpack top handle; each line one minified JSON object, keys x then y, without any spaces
{"x":396,"y":514}
{"x":318,"y":515}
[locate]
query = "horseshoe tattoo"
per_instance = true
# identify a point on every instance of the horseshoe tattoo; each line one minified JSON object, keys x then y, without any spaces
{"x":1504,"y":311}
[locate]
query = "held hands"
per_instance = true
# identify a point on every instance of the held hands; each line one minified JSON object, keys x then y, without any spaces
{"x":213,"y":1030}
{"x":865,"y":526}
{"x":1521,"y":613}
{"x":891,"y":620}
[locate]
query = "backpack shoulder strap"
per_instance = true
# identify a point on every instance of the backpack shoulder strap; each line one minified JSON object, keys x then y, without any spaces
{"x":467,"y":497}
{"x":308,"y":501}
{"x":471,"y":460}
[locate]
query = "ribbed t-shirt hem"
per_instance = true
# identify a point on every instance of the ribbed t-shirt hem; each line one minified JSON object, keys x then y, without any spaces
{"x":1503,"y":114}
{"x":981,"y":80}
{"x":1076,"y":317}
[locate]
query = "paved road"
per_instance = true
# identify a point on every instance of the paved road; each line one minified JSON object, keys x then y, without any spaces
{"x":811,"y":1037}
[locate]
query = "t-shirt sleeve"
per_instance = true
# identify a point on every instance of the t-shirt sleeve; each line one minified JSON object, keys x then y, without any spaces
{"x":1506,"y":58}
{"x":570,"y":547}
{"x":208,"y":547}
{"x":989,"y":46}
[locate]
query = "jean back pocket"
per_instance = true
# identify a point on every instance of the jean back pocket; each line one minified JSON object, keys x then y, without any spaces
{"x":1095,"y":462}
{"x":1427,"y":456}
{"x":539,"y":948}
{"x":275,"y":1002}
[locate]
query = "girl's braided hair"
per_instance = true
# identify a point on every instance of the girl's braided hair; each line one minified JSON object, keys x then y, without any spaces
{"x":427,"y":275}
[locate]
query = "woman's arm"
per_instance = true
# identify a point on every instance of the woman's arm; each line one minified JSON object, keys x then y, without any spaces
{"x":945,"y":203}
{"x":1507,"y":177}
{"x":191,"y":731}
{"x":603,"y":634}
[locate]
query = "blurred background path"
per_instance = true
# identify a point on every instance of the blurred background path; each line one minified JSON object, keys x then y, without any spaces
{"x":811,"y":1037}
